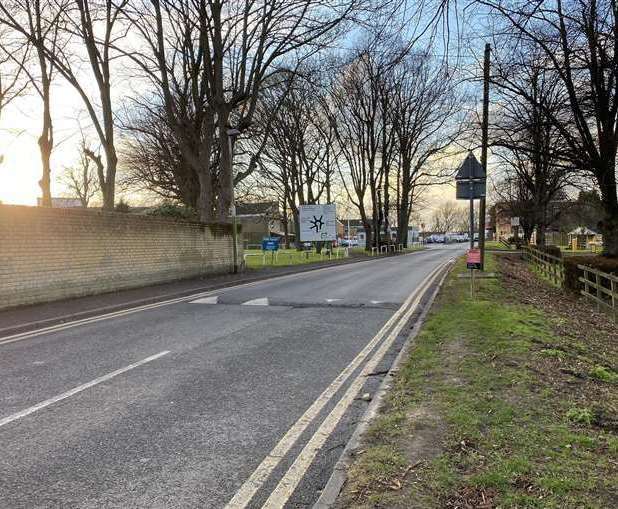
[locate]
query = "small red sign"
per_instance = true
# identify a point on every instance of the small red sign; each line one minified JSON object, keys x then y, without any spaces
{"x":474,"y":259}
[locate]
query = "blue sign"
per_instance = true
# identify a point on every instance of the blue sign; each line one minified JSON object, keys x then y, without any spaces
{"x":270,"y":244}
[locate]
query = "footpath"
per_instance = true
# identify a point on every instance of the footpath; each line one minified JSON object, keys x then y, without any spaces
{"x":508,"y":400}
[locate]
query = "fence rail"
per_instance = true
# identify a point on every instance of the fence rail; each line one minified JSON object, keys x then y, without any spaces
{"x":600,"y":287}
{"x":550,"y":266}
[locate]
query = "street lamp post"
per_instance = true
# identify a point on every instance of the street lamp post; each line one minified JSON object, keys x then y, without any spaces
{"x":231,"y":134}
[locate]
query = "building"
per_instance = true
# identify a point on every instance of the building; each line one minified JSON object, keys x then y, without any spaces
{"x":259,"y":220}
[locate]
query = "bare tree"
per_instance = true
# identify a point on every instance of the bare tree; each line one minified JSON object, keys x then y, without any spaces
{"x":578,"y":40}
{"x":81,"y":179}
{"x":532,"y":151}
{"x":12,"y":84}
{"x":446,"y":218}
{"x":38,"y":25}
{"x":425,"y":121}
{"x":219,"y":55}
{"x":297,"y":156}
{"x":93,"y":27}
{"x":355,"y":110}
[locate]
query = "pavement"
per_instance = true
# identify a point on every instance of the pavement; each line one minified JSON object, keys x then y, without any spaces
{"x":242,"y":396}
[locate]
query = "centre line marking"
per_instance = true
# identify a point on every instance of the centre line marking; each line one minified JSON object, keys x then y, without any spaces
{"x":79,"y":389}
{"x":257,"y":479}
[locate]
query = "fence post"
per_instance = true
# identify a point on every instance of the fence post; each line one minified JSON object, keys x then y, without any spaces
{"x":599,"y":293}
{"x":612,"y":286}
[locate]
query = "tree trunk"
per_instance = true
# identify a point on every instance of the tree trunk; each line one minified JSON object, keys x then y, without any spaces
{"x":45,"y":147}
{"x":205,"y":198}
{"x":226,"y":187}
{"x":609,"y":224}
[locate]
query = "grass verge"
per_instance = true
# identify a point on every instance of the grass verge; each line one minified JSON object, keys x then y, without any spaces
{"x":256,"y":259}
{"x":495,"y":407}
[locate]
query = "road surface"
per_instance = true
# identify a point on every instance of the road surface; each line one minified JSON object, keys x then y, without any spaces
{"x":242,"y":397}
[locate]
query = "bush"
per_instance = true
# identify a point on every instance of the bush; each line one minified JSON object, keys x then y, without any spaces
{"x":174,"y":211}
{"x":122,"y":206}
{"x":572,"y":273}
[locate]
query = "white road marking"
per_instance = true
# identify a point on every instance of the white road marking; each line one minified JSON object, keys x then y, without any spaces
{"x":333,"y":300}
{"x":288,"y":483}
{"x":79,"y":389}
{"x":206,"y":300}
{"x":257,"y":479}
{"x":376,"y":301}
{"x":257,"y":302}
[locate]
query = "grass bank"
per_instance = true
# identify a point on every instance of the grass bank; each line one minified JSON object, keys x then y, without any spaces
{"x":509,"y":400}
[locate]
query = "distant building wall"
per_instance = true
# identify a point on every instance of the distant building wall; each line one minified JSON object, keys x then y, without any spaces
{"x":48,"y":254}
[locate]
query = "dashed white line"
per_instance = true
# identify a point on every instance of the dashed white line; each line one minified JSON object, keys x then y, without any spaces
{"x":257,"y":302}
{"x":78,"y":389}
{"x":206,"y":300}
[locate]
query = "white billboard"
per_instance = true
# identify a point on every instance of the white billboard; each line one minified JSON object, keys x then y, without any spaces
{"x":318,"y":222}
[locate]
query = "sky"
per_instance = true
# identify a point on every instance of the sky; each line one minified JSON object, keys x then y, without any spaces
{"x":19,"y":128}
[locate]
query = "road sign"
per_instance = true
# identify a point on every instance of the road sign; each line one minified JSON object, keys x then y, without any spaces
{"x":473,"y":259}
{"x":471,"y":179}
{"x":318,"y":222}
{"x":515,"y":221}
{"x":465,"y":191}
{"x":270,"y":244}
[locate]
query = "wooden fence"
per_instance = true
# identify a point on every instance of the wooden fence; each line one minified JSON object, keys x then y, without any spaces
{"x":600,"y":287}
{"x":548,"y":265}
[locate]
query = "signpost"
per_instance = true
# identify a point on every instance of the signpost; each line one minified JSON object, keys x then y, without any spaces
{"x":270,"y":244}
{"x":318,"y":223}
{"x":471,"y":181}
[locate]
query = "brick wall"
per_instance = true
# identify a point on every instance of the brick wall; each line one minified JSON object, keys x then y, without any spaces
{"x":50,"y":254}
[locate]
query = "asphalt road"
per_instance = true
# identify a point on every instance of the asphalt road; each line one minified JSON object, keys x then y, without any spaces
{"x":188,"y":403}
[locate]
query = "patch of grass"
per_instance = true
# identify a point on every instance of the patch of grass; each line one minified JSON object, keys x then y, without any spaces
{"x":580,"y":416}
{"x":552,"y":352}
{"x":604,"y":373}
{"x":257,"y":259}
{"x":507,"y":431}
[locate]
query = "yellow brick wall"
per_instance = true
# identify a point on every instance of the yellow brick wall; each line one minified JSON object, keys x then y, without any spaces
{"x":50,"y":254}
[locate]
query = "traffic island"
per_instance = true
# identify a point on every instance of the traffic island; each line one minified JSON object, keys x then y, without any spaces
{"x":506,"y":400}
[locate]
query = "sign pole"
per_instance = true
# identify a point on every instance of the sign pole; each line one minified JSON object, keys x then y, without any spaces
{"x":471,"y":215}
{"x":484,"y":142}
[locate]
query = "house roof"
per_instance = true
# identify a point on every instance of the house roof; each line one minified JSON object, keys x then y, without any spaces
{"x":582,"y":230}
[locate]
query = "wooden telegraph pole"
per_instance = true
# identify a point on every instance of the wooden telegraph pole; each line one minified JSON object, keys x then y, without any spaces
{"x":484,"y":143}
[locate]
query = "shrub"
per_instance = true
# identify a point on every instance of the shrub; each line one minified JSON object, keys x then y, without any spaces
{"x":572,"y":273}
{"x":175,"y":211}
{"x":122,"y":206}
{"x":580,"y":416}
{"x":603,"y":373}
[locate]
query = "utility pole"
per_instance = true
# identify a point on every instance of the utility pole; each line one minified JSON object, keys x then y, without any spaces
{"x":231,"y":134}
{"x":484,"y":143}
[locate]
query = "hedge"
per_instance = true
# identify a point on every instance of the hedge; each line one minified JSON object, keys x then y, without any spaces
{"x":572,"y":273}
